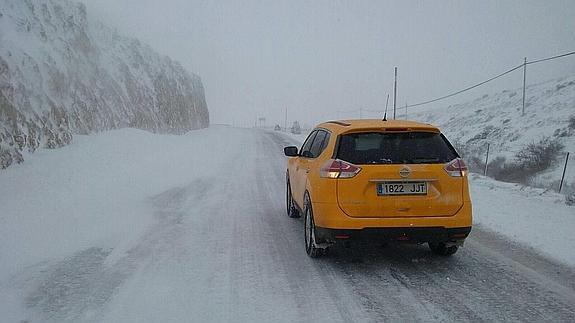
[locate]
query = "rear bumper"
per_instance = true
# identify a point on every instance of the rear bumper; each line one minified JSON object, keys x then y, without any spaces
{"x":330,"y":216}
{"x":415,"y":235}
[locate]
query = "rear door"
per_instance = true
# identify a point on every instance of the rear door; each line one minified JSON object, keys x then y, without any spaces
{"x":402,"y":175}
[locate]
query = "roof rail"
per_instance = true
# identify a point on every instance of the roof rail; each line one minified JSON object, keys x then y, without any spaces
{"x":340,"y":123}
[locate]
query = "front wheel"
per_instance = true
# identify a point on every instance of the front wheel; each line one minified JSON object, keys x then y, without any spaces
{"x":440,"y":248}
{"x":309,"y":231}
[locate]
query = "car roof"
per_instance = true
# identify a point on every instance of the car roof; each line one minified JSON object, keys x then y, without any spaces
{"x":344,"y":126}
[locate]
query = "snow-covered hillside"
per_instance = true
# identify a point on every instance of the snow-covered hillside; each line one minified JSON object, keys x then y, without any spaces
{"x":62,"y":74}
{"x":497,"y":120}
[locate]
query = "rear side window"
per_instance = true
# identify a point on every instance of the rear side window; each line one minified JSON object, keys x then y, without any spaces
{"x":395,"y":148}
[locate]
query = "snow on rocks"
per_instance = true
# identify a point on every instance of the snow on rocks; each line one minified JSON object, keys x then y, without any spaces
{"x":63,"y":74}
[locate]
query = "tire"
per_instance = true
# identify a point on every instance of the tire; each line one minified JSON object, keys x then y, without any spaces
{"x":292,"y":211}
{"x":309,"y":231}
{"x":440,"y":248}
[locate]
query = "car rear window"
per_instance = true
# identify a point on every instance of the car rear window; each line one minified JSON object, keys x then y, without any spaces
{"x":395,"y":148}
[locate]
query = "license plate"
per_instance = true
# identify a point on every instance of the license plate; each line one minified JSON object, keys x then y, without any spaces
{"x":402,"y":188}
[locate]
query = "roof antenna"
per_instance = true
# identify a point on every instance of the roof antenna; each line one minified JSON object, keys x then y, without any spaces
{"x":385,"y":113}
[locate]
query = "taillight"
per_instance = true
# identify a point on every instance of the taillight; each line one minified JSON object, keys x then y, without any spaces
{"x":456,"y":168}
{"x":335,"y":168}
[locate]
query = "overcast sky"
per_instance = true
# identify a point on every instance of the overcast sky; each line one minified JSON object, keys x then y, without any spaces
{"x":316,"y":58}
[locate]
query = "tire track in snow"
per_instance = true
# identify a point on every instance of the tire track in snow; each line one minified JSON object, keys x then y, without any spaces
{"x":78,"y":287}
{"x":318,"y":297}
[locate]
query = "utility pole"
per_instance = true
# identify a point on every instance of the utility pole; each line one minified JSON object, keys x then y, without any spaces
{"x":524,"y":78}
{"x":394,"y":93}
{"x":285,"y":122}
{"x":564,"y":169}
{"x":486,"y":161}
{"x":405,"y":110}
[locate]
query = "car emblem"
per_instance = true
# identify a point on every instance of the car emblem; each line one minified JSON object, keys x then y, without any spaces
{"x":404,"y":172}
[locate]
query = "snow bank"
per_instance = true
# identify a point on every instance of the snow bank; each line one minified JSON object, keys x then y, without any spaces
{"x":531,"y":216}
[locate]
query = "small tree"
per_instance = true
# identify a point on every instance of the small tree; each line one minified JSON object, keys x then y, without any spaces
{"x":295,"y":128}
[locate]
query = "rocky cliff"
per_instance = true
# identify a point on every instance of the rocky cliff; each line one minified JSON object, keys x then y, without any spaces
{"x":62,"y":74}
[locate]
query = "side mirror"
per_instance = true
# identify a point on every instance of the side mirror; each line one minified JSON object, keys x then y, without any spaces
{"x":290,"y":151}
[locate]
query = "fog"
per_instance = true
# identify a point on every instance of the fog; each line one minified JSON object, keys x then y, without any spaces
{"x":318,"y":59}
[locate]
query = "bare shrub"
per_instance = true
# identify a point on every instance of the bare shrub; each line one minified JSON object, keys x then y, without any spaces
{"x":570,"y":199}
{"x":495,"y":167}
{"x":502,"y":170}
{"x":571,"y":124}
{"x":530,"y":160}
{"x":515,"y":173}
{"x":5,"y":158}
{"x":539,"y":156}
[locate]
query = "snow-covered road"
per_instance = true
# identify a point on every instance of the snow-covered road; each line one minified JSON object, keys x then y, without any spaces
{"x":202,"y":235}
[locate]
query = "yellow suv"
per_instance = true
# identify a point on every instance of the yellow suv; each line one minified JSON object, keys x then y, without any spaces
{"x":374,"y":180}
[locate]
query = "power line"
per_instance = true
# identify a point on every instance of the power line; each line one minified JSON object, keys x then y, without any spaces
{"x":376,"y":111}
{"x":467,"y":88}
{"x":550,"y":58}
{"x":491,"y":79}
{"x":472,"y":86}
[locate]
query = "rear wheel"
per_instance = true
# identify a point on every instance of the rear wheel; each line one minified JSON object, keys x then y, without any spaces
{"x":309,"y":231}
{"x":292,"y":211}
{"x":440,"y":248}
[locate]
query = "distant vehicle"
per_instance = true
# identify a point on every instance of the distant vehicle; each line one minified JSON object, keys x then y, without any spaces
{"x":295,"y":128}
{"x":277,"y":127}
{"x":375,"y":180}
